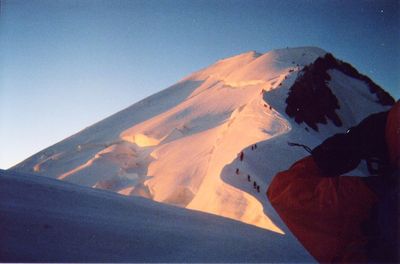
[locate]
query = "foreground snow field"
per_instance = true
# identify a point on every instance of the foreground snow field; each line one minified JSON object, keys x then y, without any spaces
{"x":46,"y":220}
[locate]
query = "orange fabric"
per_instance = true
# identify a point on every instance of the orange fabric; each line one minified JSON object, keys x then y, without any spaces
{"x":393,"y":135}
{"x":325,"y":214}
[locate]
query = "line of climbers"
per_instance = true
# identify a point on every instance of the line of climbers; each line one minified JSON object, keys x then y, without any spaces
{"x":255,"y":185}
{"x":241,"y":157}
{"x":262,"y":94}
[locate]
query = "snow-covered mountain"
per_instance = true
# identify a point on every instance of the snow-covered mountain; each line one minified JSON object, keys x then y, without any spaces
{"x":181,"y":145}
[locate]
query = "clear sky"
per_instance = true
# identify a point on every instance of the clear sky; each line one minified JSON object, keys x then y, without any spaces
{"x":65,"y":65}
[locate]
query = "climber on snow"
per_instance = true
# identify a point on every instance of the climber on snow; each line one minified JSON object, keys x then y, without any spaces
{"x":241,"y":156}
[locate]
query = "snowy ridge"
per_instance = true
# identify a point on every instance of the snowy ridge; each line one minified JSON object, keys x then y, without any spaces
{"x":181,"y":145}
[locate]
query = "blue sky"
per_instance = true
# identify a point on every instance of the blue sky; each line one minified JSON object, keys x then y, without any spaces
{"x":65,"y":65}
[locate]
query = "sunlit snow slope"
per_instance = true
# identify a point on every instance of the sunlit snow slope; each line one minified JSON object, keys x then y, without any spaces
{"x":181,"y":145}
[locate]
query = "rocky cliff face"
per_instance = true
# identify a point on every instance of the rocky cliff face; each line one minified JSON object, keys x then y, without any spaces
{"x":311,"y":100}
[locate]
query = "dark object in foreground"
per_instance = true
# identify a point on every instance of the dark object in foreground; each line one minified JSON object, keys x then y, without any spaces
{"x":343,"y":152}
{"x":344,"y":218}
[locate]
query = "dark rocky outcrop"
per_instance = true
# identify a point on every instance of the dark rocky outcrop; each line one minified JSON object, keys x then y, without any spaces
{"x":310,"y":100}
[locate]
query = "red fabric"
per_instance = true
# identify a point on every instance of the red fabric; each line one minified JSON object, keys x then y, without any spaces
{"x":393,"y":135}
{"x":325,"y":214}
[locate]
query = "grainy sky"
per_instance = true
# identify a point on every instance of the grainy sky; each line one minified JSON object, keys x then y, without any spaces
{"x":65,"y":65}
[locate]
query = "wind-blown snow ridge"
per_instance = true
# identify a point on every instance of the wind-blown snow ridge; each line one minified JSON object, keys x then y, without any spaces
{"x":181,"y":145}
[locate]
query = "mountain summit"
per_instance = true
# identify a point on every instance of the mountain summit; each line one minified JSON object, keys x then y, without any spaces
{"x":183,"y":145}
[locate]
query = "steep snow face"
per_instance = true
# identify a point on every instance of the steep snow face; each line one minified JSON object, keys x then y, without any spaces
{"x":181,"y":145}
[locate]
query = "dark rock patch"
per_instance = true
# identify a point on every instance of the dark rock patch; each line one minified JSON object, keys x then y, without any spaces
{"x":310,"y":100}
